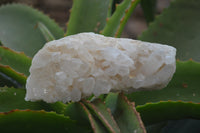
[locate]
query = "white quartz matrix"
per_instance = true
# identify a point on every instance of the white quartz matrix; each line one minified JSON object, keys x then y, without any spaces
{"x":80,"y":65}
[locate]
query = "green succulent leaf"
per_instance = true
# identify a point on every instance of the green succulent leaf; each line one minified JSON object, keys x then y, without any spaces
{"x":87,"y":16}
{"x":184,"y":86}
{"x":16,"y":60}
{"x":19,"y":28}
{"x":178,"y":26}
{"x":98,"y":108}
{"x":110,"y":7}
{"x":45,"y":31}
{"x":36,"y":121}
{"x":79,"y":112}
{"x":12,"y":98}
{"x":125,"y":114}
{"x":76,"y":112}
{"x":14,"y":67}
{"x":170,"y":117}
{"x":7,"y":81}
{"x":149,"y":9}
{"x":10,"y":75}
{"x":115,"y":24}
{"x":153,"y":113}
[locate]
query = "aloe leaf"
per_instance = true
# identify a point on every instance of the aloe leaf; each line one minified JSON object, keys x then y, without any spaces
{"x":36,"y":121}
{"x":156,"y":116}
{"x":149,"y":8}
{"x":79,"y":112}
{"x":115,"y":24}
{"x":95,"y":124}
{"x":7,"y":73}
{"x":110,"y":7}
{"x":103,"y":113}
{"x":45,"y":31}
{"x":14,"y":67}
{"x":12,"y":98}
{"x":16,"y":60}
{"x":7,"y":81}
{"x":170,"y":117}
{"x":19,"y":31}
{"x":87,"y":16}
{"x":152,"y":113}
{"x":178,"y":26}
{"x":76,"y":112}
{"x":125,"y":114}
{"x":183,"y":86}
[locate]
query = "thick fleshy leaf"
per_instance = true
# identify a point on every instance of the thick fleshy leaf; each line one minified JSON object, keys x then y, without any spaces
{"x":87,"y":16}
{"x":178,"y":26}
{"x":12,"y":98}
{"x":170,"y":117}
{"x":18,"y":28}
{"x":45,"y":31}
{"x":125,"y":114}
{"x":98,"y":108}
{"x":14,"y":68}
{"x":110,"y":7}
{"x":115,"y":24}
{"x":28,"y":121}
{"x":153,"y":113}
{"x":9,"y":74}
{"x":17,"y":61}
{"x":7,"y":81}
{"x":184,"y":86}
{"x":78,"y":112}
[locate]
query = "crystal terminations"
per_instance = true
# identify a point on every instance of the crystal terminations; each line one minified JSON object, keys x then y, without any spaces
{"x":80,"y":65}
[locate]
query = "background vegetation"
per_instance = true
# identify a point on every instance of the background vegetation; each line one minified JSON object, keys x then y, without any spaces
{"x":173,"y":109}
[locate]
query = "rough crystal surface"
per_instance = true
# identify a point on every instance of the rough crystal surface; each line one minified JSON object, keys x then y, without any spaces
{"x":80,"y":65}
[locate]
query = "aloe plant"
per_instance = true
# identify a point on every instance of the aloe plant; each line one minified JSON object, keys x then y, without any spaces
{"x":175,"y":108}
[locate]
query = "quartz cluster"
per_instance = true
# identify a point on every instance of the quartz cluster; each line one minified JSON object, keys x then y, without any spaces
{"x":80,"y":65}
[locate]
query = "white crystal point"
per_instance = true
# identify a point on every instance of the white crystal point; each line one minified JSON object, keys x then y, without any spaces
{"x":80,"y":65}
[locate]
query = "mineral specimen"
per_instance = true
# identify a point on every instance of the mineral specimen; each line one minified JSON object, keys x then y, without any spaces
{"x":80,"y":65}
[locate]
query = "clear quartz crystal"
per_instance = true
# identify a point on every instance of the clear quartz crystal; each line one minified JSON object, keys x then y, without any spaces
{"x":80,"y":65}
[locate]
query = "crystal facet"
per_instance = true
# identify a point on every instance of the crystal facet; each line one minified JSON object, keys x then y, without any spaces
{"x":80,"y":65}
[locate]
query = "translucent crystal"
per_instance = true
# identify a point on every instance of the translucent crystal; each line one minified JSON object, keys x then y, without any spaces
{"x":80,"y":65}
